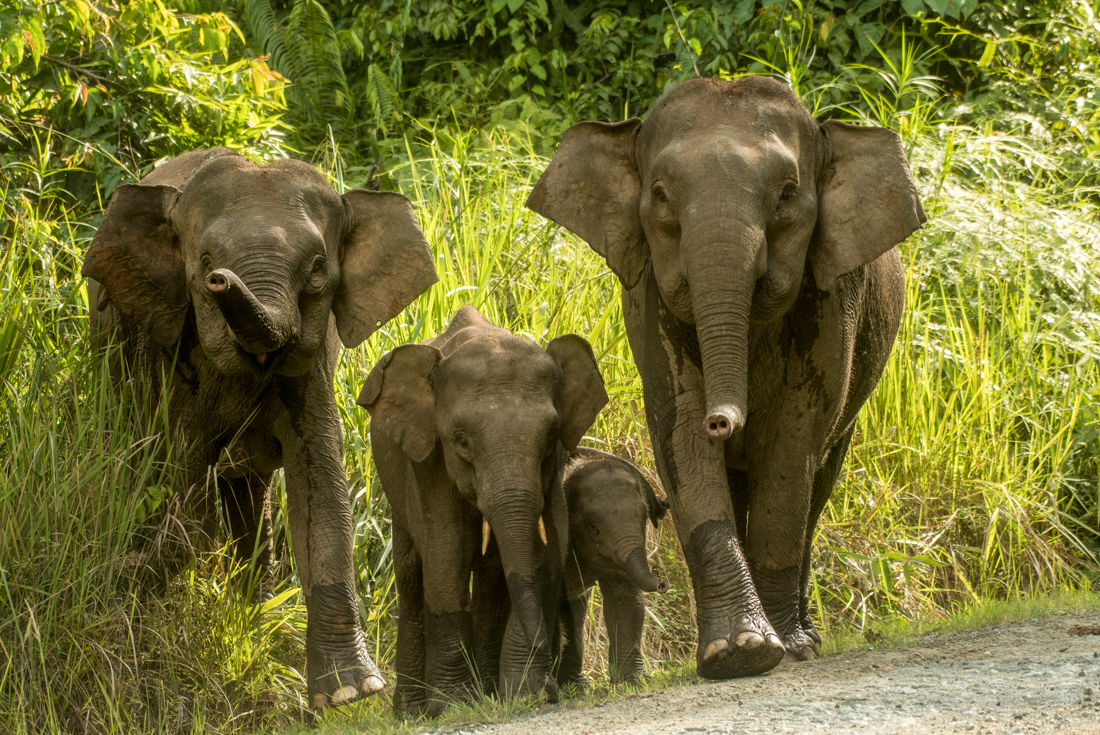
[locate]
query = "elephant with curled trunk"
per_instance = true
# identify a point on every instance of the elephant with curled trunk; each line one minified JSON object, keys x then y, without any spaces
{"x":239,"y":283}
{"x":469,"y":432}
{"x":762,"y":292}
{"x":609,"y":502}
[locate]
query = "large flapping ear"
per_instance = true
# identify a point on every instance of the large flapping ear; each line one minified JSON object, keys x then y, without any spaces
{"x":592,"y":188}
{"x":867,"y":202}
{"x":581,"y":392}
{"x":385,"y":263}
{"x":135,"y":254}
{"x":399,"y":397}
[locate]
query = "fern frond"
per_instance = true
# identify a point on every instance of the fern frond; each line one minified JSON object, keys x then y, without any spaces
{"x":320,"y":85}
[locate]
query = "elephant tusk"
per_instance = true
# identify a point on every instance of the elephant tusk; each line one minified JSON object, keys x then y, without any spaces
{"x":486,"y":532}
{"x":542,"y":531}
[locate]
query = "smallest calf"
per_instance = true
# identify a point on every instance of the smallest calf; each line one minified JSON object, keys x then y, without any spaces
{"x":609,"y":501}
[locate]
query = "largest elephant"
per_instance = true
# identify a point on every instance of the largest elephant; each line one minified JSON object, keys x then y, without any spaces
{"x":231,"y":287}
{"x":762,"y":293}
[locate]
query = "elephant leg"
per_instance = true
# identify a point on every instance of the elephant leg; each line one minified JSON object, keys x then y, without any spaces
{"x":448,"y":620}
{"x":824,"y":482}
{"x":246,"y":500}
{"x":409,"y":696}
{"x":735,"y":637}
{"x":624,"y":616}
{"x":571,"y":666}
{"x":338,"y":667}
{"x":738,"y":481}
{"x":491,"y":607}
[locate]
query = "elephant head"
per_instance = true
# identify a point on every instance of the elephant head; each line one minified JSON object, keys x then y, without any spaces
{"x":262,"y":257}
{"x":609,"y":503}
{"x":494,"y":409}
{"x":738,"y":199}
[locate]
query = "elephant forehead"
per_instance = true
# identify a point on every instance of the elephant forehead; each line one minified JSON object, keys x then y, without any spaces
{"x":248,"y":191}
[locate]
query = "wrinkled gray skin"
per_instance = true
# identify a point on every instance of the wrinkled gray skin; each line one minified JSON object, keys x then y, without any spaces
{"x":468,"y":429}
{"x":240,"y":283}
{"x":609,"y":503}
{"x":762,"y":292}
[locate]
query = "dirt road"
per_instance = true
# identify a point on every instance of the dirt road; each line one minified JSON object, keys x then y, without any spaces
{"x":1022,"y":678}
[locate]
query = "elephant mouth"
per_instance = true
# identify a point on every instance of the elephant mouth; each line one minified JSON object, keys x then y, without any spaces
{"x":263,"y":364}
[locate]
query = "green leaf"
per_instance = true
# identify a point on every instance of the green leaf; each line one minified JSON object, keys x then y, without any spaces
{"x":939,"y":7}
{"x":279,"y":599}
{"x":987,"y":55}
{"x":32,"y":31}
{"x":913,"y":7}
{"x":515,"y":82}
{"x":515,"y":5}
{"x":744,"y":11}
{"x":696,"y":46}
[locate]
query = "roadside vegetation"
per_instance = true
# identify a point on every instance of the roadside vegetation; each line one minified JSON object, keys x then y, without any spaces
{"x":973,"y":478}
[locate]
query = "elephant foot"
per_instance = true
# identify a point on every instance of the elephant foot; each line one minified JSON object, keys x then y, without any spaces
{"x":346,"y":685}
{"x":742,"y":653}
{"x":800,"y":646}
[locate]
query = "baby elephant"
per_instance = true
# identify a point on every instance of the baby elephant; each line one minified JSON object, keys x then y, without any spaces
{"x":609,"y":501}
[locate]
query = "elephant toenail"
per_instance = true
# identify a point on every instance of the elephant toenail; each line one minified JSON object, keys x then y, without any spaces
{"x":319,"y":700}
{"x":774,"y":642}
{"x":715,"y":647}
{"x":749,"y":640}
{"x":345,"y":693}
{"x":372,"y":684}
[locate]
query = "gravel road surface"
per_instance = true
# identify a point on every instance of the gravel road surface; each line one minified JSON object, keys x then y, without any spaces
{"x":1030,"y":677}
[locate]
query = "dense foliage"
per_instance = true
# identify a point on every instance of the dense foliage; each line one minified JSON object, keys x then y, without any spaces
{"x":974,"y":471}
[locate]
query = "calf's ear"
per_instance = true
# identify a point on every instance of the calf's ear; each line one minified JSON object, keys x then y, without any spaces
{"x":399,"y":396}
{"x":592,"y":188}
{"x":385,"y":263}
{"x":658,"y":507}
{"x":136,"y":255}
{"x":867,"y":202}
{"x":581,"y":393}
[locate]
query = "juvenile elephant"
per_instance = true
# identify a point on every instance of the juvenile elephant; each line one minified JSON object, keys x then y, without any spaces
{"x":762,"y":292}
{"x":469,"y":432}
{"x":239,"y":283}
{"x":609,"y":502}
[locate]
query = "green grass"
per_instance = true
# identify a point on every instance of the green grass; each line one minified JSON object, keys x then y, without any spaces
{"x":972,"y":477}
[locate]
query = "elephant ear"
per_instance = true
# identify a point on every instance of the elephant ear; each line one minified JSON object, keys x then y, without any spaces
{"x":385,"y":263}
{"x":867,"y":202}
{"x":400,"y":399}
{"x":592,"y":188}
{"x":657,"y":507}
{"x":581,"y":393}
{"x":135,"y":254}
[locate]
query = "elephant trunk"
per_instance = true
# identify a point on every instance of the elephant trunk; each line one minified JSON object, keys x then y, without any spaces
{"x":517,"y":527}
{"x":257,"y":328}
{"x":636,"y":566}
{"x":722,"y":276}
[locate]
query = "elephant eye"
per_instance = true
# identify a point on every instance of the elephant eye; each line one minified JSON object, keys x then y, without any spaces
{"x":318,"y":264}
{"x":593,"y":529}
{"x":660,"y":195}
{"x":788,"y":191}
{"x":462,"y":443}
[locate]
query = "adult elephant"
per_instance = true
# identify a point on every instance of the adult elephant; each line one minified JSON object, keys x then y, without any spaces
{"x":762,"y":292}
{"x":239,"y":283}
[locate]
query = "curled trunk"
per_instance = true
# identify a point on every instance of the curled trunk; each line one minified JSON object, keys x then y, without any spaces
{"x":256,"y":328}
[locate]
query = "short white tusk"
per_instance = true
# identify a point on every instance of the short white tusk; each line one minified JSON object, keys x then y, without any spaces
{"x":542,"y":531}
{"x":486,"y":532}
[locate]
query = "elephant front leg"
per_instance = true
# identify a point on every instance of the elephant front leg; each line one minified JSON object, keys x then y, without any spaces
{"x":624,"y":616}
{"x":491,"y":607}
{"x":338,"y":667}
{"x":410,"y":695}
{"x":448,"y":620}
{"x":782,"y":517}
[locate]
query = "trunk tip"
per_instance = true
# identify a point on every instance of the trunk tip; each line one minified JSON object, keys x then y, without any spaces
{"x":217,"y":282}
{"x":724,"y":421}
{"x":662,"y":587}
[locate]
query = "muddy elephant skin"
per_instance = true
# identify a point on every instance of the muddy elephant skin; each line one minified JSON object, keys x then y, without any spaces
{"x":469,"y":432}
{"x":762,"y":292}
{"x":239,"y":282}
{"x":609,"y":503}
